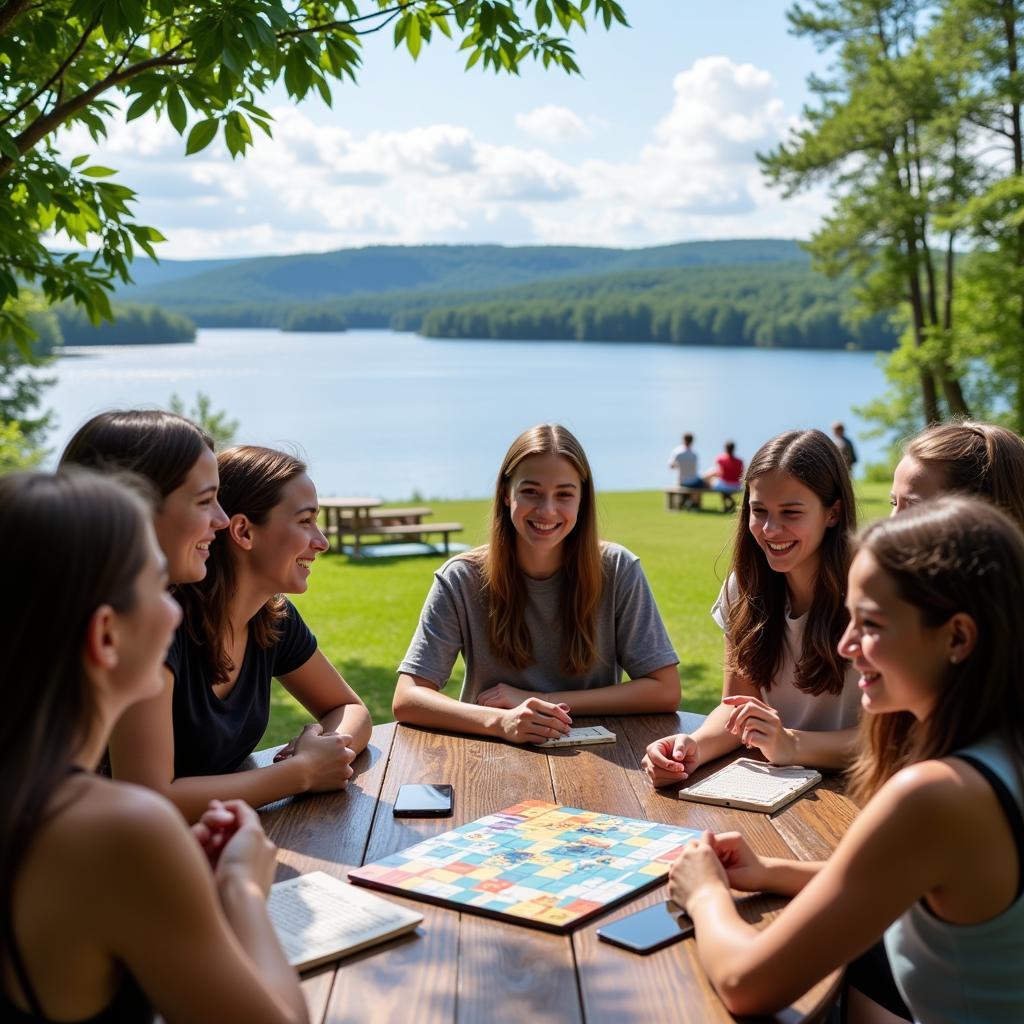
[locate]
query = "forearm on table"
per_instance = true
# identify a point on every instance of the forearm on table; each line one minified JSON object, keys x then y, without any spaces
{"x":722,"y":935}
{"x":351,"y":720}
{"x":712,"y":738}
{"x":643,"y":695}
{"x":417,"y":704}
{"x":257,"y":786}
{"x":832,"y":750}
{"x":786,"y":877}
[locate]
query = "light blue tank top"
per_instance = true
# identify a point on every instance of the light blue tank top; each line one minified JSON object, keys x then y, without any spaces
{"x":966,"y":974}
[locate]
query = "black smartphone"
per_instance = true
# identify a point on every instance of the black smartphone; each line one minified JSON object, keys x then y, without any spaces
{"x":422,"y":800}
{"x":648,"y":929}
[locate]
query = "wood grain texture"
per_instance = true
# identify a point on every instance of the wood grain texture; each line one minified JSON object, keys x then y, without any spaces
{"x":463,"y":968}
{"x":329,"y":831}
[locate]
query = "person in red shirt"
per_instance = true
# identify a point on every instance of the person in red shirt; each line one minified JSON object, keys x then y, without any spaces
{"x":727,"y":476}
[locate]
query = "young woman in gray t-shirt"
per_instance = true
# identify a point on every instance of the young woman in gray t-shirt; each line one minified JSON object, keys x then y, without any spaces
{"x":546,"y":616}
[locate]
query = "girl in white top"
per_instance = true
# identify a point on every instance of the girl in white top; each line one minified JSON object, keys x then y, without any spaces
{"x":934,"y":861}
{"x":786,"y":691}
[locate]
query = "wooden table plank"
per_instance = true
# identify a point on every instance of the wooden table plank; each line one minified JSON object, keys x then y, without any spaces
{"x":505,"y":971}
{"x":303,"y":827}
{"x":673,"y":977}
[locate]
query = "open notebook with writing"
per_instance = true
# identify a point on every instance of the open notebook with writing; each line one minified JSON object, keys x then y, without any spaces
{"x":319,"y":918}
{"x":752,"y":786}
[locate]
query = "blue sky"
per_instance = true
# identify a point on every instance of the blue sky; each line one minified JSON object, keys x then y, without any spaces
{"x":654,"y":144}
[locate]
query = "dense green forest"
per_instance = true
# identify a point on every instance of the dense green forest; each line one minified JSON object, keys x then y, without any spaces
{"x":132,"y":325}
{"x":782,"y":304}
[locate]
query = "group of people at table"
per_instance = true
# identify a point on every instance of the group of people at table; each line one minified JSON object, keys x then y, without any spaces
{"x":149,"y":620}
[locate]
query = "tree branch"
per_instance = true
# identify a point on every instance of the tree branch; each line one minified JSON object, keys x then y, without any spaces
{"x":56,"y":75}
{"x":388,"y":13}
{"x":42,"y":126}
{"x":9,"y":11}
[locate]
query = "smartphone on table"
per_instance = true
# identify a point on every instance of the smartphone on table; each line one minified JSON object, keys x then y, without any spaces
{"x":648,"y":929}
{"x":424,"y":800}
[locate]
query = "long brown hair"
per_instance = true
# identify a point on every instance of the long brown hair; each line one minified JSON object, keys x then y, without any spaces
{"x":503,"y":585}
{"x":975,"y":458}
{"x":160,"y":446}
{"x":71,"y":542}
{"x":252,"y":480}
{"x":954,"y":554}
{"x":757,"y":612}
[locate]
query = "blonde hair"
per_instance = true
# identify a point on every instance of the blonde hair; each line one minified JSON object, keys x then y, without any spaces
{"x":503,"y":586}
{"x":975,"y":458}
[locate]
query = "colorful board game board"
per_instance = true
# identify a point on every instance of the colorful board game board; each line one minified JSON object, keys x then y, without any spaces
{"x":535,"y":863}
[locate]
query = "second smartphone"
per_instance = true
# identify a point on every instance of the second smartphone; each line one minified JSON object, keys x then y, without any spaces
{"x":648,"y":929}
{"x":422,"y":800}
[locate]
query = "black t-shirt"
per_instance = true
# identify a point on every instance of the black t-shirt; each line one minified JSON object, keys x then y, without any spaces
{"x":214,"y":736}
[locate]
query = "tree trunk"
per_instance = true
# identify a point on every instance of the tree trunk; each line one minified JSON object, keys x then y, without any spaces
{"x":1009,"y":12}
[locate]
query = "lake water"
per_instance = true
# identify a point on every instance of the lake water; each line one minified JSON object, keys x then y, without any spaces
{"x":390,"y":414}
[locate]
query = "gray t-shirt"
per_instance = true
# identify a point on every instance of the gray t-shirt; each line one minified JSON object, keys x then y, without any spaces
{"x":630,"y":633}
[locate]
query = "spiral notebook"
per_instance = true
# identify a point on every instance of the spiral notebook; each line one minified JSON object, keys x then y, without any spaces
{"x":752,"y":786}
{"x":319,"y":918}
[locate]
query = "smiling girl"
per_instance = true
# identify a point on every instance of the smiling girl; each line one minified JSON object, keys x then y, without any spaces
{"x":962,"y":458}
{"x":176,"y":457}
{"x":238,"y":633}
{"x":786,"y":691}
{"x":546,"y":615}
{"x":936,"y":858}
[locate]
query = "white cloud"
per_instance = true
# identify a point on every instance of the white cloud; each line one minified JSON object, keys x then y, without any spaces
{"x":319,"y":186}
{"x":552,"y":124}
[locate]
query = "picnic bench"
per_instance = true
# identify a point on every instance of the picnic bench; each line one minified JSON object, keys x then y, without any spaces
{"x":366,"y":518}
{"x":676,"y":498}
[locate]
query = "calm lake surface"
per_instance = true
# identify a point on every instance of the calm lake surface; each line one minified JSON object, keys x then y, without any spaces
{"x":388,"y":414}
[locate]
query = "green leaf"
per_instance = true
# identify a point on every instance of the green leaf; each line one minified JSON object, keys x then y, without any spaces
{"x":413,"y":39}
{"x":79,"y":160}
{"x":176,"y":112}
{"x":98,"y":172}
{"x":142,"y":103}
{"x":201,"y":136}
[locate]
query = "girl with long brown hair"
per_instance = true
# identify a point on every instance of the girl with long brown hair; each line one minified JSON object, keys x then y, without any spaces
{"x":935,"y":861}
{"x":786,"y":691}
{"x":238,"y":633}
{"x":109,"y":908}
{"x":546,"y":616}
{"x":962,"y":458}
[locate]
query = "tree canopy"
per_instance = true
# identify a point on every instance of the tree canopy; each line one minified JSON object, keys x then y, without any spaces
{"x":204,"y":66}
{"x":917,"y":129}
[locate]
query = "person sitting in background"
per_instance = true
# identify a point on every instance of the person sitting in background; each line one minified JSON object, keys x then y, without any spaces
{"x":845,"y":445}
{"x":110,"y":909}
{"x":727,"y":476}
{"x":964,"y":458}
{"x":684,"y":460}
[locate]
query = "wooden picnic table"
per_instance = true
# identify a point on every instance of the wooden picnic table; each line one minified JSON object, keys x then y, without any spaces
{"x":357,"y":509}
{"x":459,"y":968}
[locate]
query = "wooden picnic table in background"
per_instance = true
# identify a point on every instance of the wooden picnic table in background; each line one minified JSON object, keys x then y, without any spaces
{"x":460,"y":967}
{"x":356,"y":510}
{"x":364,"y":517}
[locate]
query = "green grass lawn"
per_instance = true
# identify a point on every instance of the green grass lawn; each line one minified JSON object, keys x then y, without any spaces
{"x":364,"y":612}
